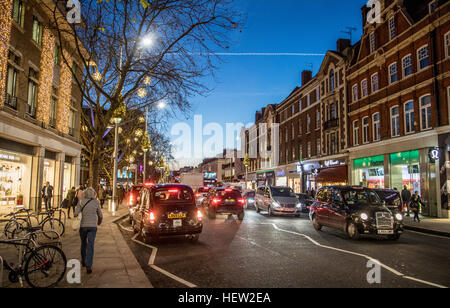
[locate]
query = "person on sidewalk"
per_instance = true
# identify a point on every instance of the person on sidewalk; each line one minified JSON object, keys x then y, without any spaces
{"x":406,"y":197}
{"x":47,"y":195}
{"x":101,"y":196}
{"x":70,"y":198}
{"x":415,"y":206}
{"x":92,"y":217}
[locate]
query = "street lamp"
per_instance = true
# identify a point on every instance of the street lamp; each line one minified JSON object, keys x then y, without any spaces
{"x":116,"y":121}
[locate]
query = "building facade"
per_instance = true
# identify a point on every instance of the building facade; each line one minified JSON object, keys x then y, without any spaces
{"x":40,"y":109}
{"x":398,"y":106}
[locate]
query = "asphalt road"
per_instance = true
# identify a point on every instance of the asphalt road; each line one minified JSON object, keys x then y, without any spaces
{"x":283,"y":252}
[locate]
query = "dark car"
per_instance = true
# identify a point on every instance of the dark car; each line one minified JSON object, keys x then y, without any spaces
{"x":355,"y":210}
{"x":167,"y":210}
{"x":224,"y":201}
{"x":249,"y":197}
{"x":305,"y":202}
{"x":392,"y":199}
{"x":201,"y":194}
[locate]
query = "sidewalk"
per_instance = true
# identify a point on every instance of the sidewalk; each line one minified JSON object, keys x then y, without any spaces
{"x":428,"y":225}
{"x":115,"y":266}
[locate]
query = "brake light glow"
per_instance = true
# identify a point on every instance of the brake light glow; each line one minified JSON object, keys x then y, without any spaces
{"x":199,"y":215}
{"x":151,"y":217}
{"x":216,"y":200}
{"x":198,"y":195}
{"x":131,"y":200}
{"x":173,"y":191}
{"x":149,"y":184}
{"x":228,"y":190}
{"x":241,"y":201}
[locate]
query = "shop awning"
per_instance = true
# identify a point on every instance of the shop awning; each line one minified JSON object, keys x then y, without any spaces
{"x":333,"y":175}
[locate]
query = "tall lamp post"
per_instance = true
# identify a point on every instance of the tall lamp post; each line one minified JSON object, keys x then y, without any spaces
{"x":117,"y":121}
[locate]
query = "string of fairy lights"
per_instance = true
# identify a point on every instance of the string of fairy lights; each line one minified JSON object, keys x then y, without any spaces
{"x":46,"y":77}
{"x":64,"y":97}
{"x":5,"y":33}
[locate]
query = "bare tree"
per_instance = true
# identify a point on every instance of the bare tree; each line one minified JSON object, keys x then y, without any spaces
{"x":138,"y":53}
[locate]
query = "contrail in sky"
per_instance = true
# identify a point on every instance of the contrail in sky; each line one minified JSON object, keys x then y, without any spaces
{"x":270,"y":54}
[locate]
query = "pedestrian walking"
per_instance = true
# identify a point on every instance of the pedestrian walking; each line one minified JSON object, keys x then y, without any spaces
{"x":406,"y":197}
{"x":120,"y":192}
{"x":89,"y":208}
{"x":47,"y":195}
{"x":415,"y":206}
{"x":70,"y":204}
{"x":101,"y":196}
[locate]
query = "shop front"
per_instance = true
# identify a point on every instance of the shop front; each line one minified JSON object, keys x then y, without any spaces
{"x":281,"y":177}
{"x":250,"y":181}
{"x":266,"y":178}
{"x":15,"y":177}
{"x":414,"y":169}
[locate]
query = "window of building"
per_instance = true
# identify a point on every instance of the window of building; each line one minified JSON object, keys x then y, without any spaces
{"x":308,"y":100}
{"x":299,"y":128}
{"x":300,"y":106}
{"x":393,"y":77}
{"x":286,"y":135}
{"x":355,"y":133}
{"x":293,"y":154}
{"x":18,"y":12}
{"x":364,"y":89}
{"x":308,"y":124}
{"x":375,"y":83}
{"x":293,"y":131}
{"x":432,"y":6}
{"x":332,"y":84}
{"x":318,"y":120}
{"x":72,"y":118}
{"x":300,"y":152}
{"x":32,"y":93}
{"x":11,"y":87}
{"x":333,"y":140}
{"x":318,"y":89}
{"x":318,"y":147}
{"x":372,"y":42}
{"x":447,"y":44}
{"x":407,"y":66}
{"x":333,"y":111}
{"x":309,"y":149}
{"x":376,"y":127}
{"x":53,"y":104}
{"x":395,"y":122}
{"x":423,"y":59}
{"x":365,"y":129}
{"x":392,"y":32}
{"x":355,"y":93}
{"x":57,"y":54}
{"x":425,"y":111}
{"x":409,"y":117}
{"x":37,"y":31}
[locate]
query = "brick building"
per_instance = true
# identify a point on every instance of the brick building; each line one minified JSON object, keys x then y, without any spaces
{"x":398,"y":106}
{"x":40,"y":108}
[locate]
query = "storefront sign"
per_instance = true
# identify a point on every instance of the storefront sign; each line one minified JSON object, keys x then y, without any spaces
{"x":9,"y":157}
{"x":434,"y":154}
{"x":332,"y":163}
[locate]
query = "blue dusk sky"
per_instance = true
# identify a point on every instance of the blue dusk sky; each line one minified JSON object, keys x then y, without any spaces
{"x":244,"y":84}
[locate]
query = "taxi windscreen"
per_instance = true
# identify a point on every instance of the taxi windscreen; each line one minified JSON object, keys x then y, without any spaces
{"x":172,"y":195}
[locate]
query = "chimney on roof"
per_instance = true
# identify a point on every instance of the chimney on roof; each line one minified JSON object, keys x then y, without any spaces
{"x":342,"y":44}
{"x":306,"y":77}
{"x":258,"y":116}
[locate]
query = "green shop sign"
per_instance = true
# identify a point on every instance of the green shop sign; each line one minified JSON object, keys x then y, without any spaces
{"x":405,"y":158}
{"x":369,"y":162}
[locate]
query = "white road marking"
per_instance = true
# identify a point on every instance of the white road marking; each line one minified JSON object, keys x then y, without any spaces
{"x":125,"y":228}
{"x":427,"y":234}
{"x":151,"y":263}
{"x":357,"y":254}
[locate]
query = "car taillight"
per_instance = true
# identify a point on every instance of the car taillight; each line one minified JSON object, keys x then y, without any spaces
{"x":198,"y":195}
{"x":228,"y":190}
{"x":241,"y":201}
{"x":173,"y":191}
{"x":131,"y":200}
{"x":216,"y":201}
{"x":151,"y":217}
{"x":199,"y":215}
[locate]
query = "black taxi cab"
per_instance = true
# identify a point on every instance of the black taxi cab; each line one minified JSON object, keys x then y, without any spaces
{"x":165,"y":211}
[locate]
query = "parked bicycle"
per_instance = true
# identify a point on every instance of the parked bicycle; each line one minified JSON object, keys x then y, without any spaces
{"x":42,"y":266}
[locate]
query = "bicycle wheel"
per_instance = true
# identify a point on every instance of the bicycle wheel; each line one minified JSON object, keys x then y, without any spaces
{"x":53,"y":224}
{"x":15,"y":227}
{"x":45,"y":267}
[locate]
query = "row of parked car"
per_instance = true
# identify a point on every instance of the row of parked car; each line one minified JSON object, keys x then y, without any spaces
{"x":174,"y":209}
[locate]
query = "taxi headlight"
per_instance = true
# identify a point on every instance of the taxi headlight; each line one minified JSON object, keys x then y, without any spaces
{"x":275,"y":204}
{"x":364,"y":216}
{"x":399,"y":216}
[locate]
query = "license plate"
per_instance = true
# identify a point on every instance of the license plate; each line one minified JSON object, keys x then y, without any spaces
{"x":386,"y":232}
{"x":177,"y":223}
{"x":176,"y":215}
{"x":230,"y":201}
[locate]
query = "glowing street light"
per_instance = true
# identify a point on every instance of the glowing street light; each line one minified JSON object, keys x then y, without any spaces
{"x":161,"y":105}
